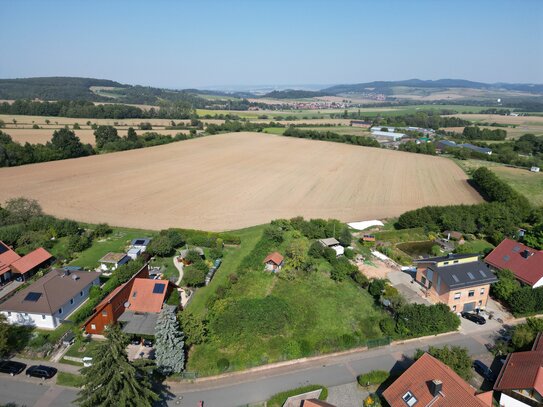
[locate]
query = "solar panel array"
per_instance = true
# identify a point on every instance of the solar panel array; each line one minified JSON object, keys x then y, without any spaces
{"x":471,"y":276}
{"x":159,"y":288}
{"x":32,"y":296}
{"x":3,"y":248}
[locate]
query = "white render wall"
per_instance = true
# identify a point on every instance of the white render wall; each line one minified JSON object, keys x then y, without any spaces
{"x":49,"y":321}
{"x":507,"y":401}
{"x":539,"y":283}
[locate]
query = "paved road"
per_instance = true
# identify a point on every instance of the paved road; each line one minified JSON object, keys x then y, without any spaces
{"x":252,"y":387}
{"x":30,"y":392}
{"x":245,"y":388}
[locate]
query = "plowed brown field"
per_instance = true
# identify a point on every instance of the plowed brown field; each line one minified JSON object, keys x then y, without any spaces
{"x":235,"y":180}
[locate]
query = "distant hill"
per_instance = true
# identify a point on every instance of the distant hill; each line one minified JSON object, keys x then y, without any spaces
{"x":387,"y":87}
{"x":53,"y":88}
{"x":101,"y":90}
{"x":295,"y":94}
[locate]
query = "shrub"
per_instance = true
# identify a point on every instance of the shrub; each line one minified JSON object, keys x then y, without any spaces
{"x":102,"y":229}
{"x":160,"y":246}
{"x":456,"y":357}
{"x":374,"y":377}
{"x":376,"y":287}
{"x":274,"y":234}
{"x":193,"y":277}
{"x":223,"y":364}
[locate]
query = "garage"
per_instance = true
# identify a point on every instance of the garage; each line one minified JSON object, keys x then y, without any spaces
{"x":470,"y":306}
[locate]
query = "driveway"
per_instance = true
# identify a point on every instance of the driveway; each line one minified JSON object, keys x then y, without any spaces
{"x":404,"y":282}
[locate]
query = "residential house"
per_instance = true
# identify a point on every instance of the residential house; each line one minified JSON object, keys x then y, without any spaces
{"x":443,"y":145}
{"x":429,"y":382}
{"x":461,"y":281}
{"x":521,"y":378}
{"x":333,"y":244}
{"x":112,"y":261}
{"x":51,"y":299}
{"x":274,"y":262}
{"x":454,"y":235}
{"x":525,"y":263}
{"x":134,"y":304}
{"x":316,"y":403}
{"x":13,"y":266}
{"x":108,"y":311}
{"x":145,"y":302}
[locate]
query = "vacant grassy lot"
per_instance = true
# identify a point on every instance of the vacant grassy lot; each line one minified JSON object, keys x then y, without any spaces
{"x":237,"y":180}
{"x":310,"y":314}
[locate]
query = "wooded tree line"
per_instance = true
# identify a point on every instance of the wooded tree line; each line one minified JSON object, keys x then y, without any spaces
{"x":496,"y":219}
{"x":84,"y":109}
{"x":476,"y":133}
{"x":331,"y":136}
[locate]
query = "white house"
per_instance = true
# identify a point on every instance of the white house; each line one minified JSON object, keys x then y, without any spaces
{"x":112,"y":261}
{"x":50,"y":299}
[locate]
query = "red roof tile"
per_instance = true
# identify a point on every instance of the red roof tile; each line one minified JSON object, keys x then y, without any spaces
{"x":522,"y":370}
{"x":509,"y":254}
{"x":7,"y":257}
{"x":274,"y":257}
{"x":147,"y":295}
{"x":31,"y":260}
{"x":416,"y":379}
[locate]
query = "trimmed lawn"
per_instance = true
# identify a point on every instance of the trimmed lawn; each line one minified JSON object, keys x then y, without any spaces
{"x":69,"y":379}
{"x":81,"y":349}
{"x":115,"y":242}
{"x":475,"y":246}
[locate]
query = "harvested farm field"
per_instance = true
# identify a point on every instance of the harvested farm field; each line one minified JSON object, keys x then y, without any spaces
{"x":235,"y":180}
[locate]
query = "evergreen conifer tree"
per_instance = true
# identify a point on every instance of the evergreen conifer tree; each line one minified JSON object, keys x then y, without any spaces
{"x":169,"y":346}
{"x":112,"y":380}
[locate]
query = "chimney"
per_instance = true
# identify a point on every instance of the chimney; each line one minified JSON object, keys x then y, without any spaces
{"x":526,"y":254}
{"x":435,"y":387}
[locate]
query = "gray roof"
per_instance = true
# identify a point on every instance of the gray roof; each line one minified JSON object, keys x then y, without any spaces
{"x":446,"y":143}
{"x":477,"y":149}
{"x":183,"y":253}
{"x":450,"y":256}
{"x":139,"y":323}
{"x":141,"y":241}
{"x":47,"y":294}
{"x":464,"y":275}
{"x":329,"y":242}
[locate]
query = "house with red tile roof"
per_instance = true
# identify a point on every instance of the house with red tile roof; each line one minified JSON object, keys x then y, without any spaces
{"x":430,"y":382}
{"x":135,"y":305}
{"x":273,"y":262}
{"x":521,"y":379}
{"x":525,"y":262}
{"x":14,"y":266}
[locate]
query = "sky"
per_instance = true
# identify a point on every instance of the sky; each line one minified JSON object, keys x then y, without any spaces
{"x":182,"y":44}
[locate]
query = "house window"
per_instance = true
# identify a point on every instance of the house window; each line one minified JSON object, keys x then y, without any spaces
{"x":423,"y":280}
{"x":471,"y":293}
{"x":482,"y":291}
{"x":480,"y":303}
{"x":446,"y":263}
{"x":72,"y":301}
{"x":93,"y":326}
{"x":457,"y":296}
{"x":409,"y":399}
{"x":456,"y":261}
{"x":454,"y":308}
{"x":81,"y":293}
{"x":60,"y":311}
{"x":9,"y":314}
{"x":42,"y":316}
{"x":104,"y":313}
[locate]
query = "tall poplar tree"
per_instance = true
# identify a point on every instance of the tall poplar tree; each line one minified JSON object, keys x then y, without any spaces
{"x":112,"y":380}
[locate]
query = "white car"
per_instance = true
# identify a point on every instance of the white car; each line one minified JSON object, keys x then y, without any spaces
{"x":87,"y":361}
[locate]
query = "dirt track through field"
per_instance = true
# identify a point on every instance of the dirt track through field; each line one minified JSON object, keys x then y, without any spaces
{"x":236,"y":180}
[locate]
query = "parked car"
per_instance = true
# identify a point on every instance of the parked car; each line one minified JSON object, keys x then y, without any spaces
{"x":11,"y":367}
{"x":148,"y":343}
{"x":483,"y":370}
{"x":68,"y":338}
{"x":43,"y":372}
{"x":87,"y":361}
{"x":135,"y":341}
{"x":478,"y":319}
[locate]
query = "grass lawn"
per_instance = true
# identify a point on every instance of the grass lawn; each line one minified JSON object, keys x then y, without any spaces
{"x":169,"y":268}
{"x":475,"y":246}
{"x":81,"y":349}
{"x":115,"y":242}
{"x":529,"y":184}
{"x":69,"y":379}
{"x":275,"y":130}
{"x":402,"y":235}
{"x":310,"y":314}
{"x":231,"y":260}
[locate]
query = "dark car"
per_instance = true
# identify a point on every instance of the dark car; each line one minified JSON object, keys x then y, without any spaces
{"x":148,"y":343}
{"x":11,"y":367}
{"x":483,"y":370}
{"x":43,"y":372}
{"x":478,"y":319}
{"x":135,"y":341}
